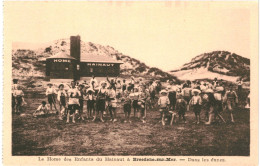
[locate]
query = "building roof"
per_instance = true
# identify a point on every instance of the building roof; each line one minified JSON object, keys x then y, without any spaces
{"x":87,"y":57}
{"x":61,"y":55}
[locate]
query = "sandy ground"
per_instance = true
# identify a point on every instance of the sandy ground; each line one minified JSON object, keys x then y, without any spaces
{"x":202,"y":73}
{"x":50,"y":136}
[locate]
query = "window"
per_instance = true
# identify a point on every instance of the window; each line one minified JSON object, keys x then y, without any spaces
{"x":91,"y":70}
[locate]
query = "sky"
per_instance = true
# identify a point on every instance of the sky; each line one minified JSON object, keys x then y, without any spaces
{"x":161,"y":34}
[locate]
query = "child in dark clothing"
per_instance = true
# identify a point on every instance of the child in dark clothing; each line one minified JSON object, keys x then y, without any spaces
{"x":181,"y":106}
{"x":90,"y":102}
{"x":127,"y":104}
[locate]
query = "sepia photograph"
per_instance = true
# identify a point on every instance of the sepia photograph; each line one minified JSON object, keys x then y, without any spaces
{"x":126,"y":78}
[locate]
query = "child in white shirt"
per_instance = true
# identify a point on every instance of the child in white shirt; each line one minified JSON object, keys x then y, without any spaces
{"x":43,"y":109}
{"x":73,"y":104}
{"x":163,"y":104}
{"x":195,"y":104}
{"x":50,"y":93}
{"x":112,"y":103}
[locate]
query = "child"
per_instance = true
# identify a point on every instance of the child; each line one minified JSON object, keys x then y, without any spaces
{"x":231,"y":99}
{"x":118,"y":89}
{"x":152,"y":93}
{"x":141,"y":103}
{"x":61,"y":97}
{"x":112,"y":82}
{"x":239,"y":88}
{"x":93,"y":82}
{"x":41,"y":110}
{"x":73,"y":104}
{"x":81,"y":104}
{"x":172,"y":94}
{"x":50,"y":93}
{"x":186,"y":93}
{"x":127,"y":104}
{"x":248,"y":101}
{"x":18,"y":95}
{"x":135,"y":97}
{"x":195,"y":104}
{"x":163,"y":104}
{"x":205,"y":102}
{"x":212,"y":107}
{"x":101,"y":101}
{"x":90,"y":102}
{"x":123,"y":86}
{"x":180,"y":107}
{"x":14,"y":87}
{"x":112,"y":103}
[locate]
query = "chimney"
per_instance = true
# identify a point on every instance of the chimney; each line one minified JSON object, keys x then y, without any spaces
{"x":75,"y":47}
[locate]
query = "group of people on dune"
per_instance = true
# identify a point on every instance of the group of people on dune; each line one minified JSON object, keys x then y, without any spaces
{"x":169,"y":98}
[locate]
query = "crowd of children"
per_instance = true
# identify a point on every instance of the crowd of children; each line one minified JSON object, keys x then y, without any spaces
{"x":171,"y":100}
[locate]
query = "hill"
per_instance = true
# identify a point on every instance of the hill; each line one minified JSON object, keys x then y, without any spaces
{"x":220,"y":64}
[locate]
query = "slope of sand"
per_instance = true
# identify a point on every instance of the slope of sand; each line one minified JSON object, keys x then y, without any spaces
{"x":201,"y":73}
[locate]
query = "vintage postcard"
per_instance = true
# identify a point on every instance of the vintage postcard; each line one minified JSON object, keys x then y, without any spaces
{"x":130,"y":83}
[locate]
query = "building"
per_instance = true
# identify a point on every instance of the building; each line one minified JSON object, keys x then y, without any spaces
{"x":80,"y":65}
